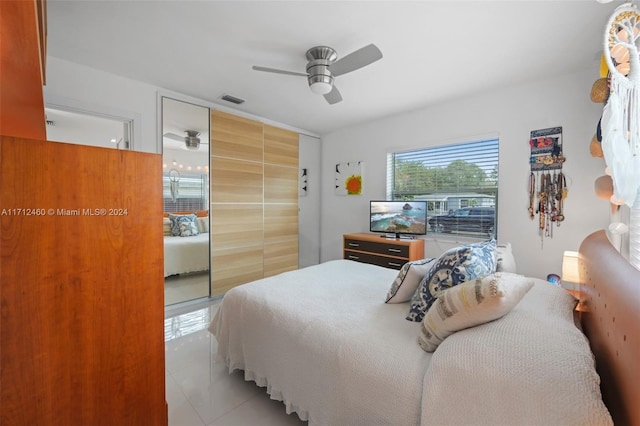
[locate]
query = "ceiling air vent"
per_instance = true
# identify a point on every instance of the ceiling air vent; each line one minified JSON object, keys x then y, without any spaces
{"x":232,"y":99}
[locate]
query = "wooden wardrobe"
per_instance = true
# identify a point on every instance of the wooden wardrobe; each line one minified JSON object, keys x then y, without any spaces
{"x":81,"y":260}
{"x":81,"y":285}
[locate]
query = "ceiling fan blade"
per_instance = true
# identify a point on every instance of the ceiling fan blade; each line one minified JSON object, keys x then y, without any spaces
{"x":174,"y":137}
{"x":334,"y":96}
{"x":355,"y":60}
{"x":179,"y":138}
{"x":278,"y":71}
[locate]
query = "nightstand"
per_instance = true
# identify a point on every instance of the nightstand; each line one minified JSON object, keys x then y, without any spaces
{"x":580,"y":307}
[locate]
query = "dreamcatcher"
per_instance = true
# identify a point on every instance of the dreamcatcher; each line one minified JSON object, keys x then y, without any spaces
{"x":621,"y":115}
{"x":174,"y":184}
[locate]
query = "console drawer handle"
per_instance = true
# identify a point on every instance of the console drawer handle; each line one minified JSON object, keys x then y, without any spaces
{"x":394,"y":264}
{"x":395,"y":250}
{"x":352,"y":257}
{"x":354,"y":245}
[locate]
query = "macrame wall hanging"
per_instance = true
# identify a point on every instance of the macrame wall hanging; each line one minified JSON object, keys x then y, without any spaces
{"x":174,"y":184}
{"x":620,"y":121}
{"x":547,"y":184}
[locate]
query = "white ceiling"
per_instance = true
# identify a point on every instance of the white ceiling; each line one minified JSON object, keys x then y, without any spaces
{"x":434,"y":51}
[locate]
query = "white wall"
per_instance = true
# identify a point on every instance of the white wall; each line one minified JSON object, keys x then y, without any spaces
{"x":510,"y":114}
{"x":309,"y":205}
{"x":84,"y":88}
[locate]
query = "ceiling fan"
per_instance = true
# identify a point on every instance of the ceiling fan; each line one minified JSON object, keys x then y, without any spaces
{"x":191,"y":139}
{"x":324,"y":65}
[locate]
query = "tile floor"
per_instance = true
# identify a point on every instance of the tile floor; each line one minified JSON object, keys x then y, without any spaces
{"x":203,"y":393}
{"x":180,"y":288}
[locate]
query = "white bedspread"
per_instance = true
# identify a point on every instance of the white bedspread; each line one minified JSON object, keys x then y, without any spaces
{"x":186,"y":254}
{"x":339,"y":356}
{"x":532,"y":367}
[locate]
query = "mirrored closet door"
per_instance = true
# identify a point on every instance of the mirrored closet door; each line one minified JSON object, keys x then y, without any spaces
{"x":185,"y":183}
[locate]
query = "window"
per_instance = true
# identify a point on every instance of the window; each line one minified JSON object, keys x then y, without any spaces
{"x":189,"y":191}
{"x":459,"y":183}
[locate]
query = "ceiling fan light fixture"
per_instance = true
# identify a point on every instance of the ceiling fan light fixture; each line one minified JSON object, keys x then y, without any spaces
{"x":319,"y":76}
{"x":192,"y":141}
{"x":321,"y":87}
{"x":192,"y":145}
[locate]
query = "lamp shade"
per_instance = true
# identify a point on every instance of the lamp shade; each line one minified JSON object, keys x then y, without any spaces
{"x":570,"y":272}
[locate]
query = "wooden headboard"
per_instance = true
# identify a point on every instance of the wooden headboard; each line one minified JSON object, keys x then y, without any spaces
{"x":199,"y":213}
{"x":610,"y":295}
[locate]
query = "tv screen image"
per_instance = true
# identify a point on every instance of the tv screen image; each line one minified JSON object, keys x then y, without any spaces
{"x":399,"y":217}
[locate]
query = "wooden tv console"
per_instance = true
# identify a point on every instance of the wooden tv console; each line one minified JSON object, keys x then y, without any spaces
{"x":379,"y":250}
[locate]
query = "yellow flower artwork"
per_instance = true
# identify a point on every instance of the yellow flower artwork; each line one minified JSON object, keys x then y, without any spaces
{"x":349,"y":178}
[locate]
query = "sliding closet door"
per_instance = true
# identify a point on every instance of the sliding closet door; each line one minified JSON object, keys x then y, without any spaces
{"x":254,"y":201}
{"x":236,"y":201}
{"x":280,"y":200}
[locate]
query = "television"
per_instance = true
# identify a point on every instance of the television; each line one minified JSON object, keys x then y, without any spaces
{"x":404,"y":219}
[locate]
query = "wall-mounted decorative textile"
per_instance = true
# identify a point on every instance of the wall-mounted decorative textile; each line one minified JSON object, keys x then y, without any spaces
{"x":620,"y":126}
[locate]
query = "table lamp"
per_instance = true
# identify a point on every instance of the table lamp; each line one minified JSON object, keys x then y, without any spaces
{"x":570,"y":271}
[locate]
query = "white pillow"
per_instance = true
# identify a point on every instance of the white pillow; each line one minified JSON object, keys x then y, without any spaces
{"x":408,"y":279}
{"x":471,"y":303}
{"x":506,"y":260}
{"x":203,"y":224}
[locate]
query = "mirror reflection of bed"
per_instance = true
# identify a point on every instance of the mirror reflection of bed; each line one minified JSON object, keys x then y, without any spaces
{"x":185,"y":183}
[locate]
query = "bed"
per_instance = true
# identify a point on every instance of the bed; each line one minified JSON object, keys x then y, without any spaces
{"x":188,"y":251}
{"x":322,"y":340}
{"x":183,"y":255}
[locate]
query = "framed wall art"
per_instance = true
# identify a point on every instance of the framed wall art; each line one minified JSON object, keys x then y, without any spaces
{"x":349,"y":178}
{"x":303,"y":183}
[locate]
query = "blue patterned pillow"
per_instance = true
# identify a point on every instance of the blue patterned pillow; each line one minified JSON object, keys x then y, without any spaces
{"x":454,"y":266}
{"x":188,"y":229}
{"x":185,"y":220}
